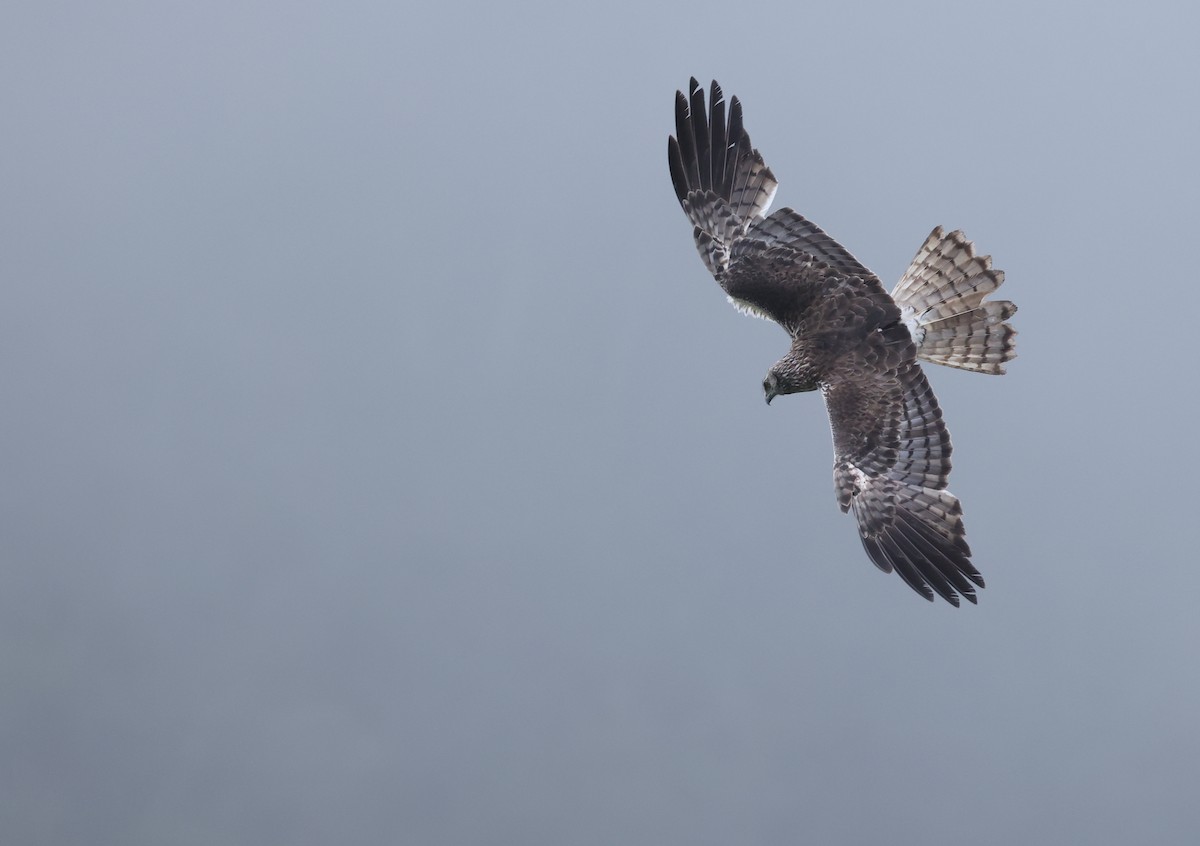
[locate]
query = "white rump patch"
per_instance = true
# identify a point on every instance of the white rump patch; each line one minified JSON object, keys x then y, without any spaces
{"x":916,"y":328}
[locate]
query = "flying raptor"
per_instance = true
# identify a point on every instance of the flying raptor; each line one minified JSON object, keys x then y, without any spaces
{"x":851,"y":340}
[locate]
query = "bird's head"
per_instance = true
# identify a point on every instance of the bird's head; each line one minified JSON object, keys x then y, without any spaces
{"x":790,"y":375}
{"x":771,"y":385}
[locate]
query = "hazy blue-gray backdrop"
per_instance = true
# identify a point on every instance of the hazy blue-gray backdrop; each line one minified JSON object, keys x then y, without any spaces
{"x":381,"y":465}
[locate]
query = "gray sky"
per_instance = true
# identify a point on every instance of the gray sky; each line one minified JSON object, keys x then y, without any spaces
{"x":382,"y":465}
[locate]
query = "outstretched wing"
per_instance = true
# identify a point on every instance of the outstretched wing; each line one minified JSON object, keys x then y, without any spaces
{"x":725,"y":189}
{"x":892,"y":461}
{"x":720,"y":179}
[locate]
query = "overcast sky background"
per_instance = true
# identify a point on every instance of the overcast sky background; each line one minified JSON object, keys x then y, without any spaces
{"x":381,"y":465}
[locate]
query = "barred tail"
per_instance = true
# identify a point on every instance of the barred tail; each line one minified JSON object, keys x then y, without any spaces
{"x":720,"y":179}
{"x":941,"y":299}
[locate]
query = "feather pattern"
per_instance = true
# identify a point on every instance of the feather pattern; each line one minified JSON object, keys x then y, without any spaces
{"x":941,"y":297}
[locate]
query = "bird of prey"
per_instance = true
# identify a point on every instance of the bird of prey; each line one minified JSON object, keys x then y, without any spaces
{"x":851,"y":340}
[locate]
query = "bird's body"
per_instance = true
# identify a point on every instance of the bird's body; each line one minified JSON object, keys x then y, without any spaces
{"x":851,"y":340}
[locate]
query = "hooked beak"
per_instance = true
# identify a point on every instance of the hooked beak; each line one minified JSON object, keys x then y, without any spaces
{"x":770,"y":396}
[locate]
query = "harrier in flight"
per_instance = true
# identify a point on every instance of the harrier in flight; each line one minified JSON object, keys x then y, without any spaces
{"x":851,"y":340}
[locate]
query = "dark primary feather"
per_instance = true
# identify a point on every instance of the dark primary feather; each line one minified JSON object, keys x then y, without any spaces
{"x":726,"y":201}
{"x":849,"y":337}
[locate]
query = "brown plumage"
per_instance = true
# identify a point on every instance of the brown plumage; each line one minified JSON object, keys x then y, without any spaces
{"x":851,"y":340}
